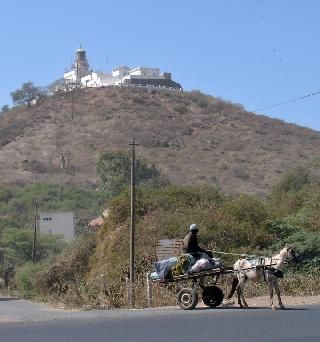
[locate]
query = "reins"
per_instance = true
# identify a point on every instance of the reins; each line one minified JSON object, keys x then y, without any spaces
{"x":244,"y":255}
{"x":262,"y":261}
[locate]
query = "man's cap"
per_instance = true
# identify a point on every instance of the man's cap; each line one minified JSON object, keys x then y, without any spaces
{"x":193,"y":227}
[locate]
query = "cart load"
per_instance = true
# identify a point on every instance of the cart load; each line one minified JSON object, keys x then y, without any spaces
{"x":183,"y":265}
{"x":203,"y":272}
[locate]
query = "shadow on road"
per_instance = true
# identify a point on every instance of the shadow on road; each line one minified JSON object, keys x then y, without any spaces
{"x":252,"y":308}
{"x":6,"y":299}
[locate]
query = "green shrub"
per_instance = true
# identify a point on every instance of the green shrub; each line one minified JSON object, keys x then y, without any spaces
{"x":292,"y":181}
{"x":67,"y":271}
{"x":246,"y":208}
{"x":114,"y":169}
{"x":26,"y":278}
{"x":138,"y":100}
{"x":280,"y":229}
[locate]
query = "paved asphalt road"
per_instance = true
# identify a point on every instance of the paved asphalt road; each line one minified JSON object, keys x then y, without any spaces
{"x":301,"y":323}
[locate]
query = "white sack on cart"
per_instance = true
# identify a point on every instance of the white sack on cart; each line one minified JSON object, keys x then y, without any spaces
{"x":202,"y":265}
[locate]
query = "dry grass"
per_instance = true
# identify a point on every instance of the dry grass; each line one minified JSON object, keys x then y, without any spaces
{"x":192,"y":137}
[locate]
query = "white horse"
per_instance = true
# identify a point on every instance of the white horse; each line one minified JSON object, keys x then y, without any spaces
{"x":260,"y":270}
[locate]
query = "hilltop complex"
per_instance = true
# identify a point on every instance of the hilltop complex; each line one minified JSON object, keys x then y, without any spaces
{"x":81,"y":75}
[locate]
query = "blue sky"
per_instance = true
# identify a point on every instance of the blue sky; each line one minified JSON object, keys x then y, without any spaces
{"x":253,"y":52}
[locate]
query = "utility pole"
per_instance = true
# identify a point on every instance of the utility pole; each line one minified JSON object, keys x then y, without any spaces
{"x":35,"y":232}
{"x":132,"y":225}
{"x":72,"y":91}
{"x":63,"y":165}
{"x":50,"y":165}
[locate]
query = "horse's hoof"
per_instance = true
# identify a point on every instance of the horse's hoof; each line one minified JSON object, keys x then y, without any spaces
{"x":227,"y":302}
{"x":273,"y":307}
{"x":281,"y":307}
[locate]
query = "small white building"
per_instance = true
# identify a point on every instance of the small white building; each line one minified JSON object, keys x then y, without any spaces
{"x":57,"y":223}
{"x":120,"y":71}
{"x":97,"y":79}
{"x":144,"y":72}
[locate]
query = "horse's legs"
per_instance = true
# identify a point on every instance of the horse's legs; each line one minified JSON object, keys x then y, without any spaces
{"x":270,"y":288}
{"x":276,"y":287}
{"x":227,"y":301}
{"x":234,"y":285}
{"x":241,"y":292}
{"x":239,"y":297}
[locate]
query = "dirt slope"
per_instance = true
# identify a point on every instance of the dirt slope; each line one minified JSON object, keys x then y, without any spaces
{"x":191,"y":137}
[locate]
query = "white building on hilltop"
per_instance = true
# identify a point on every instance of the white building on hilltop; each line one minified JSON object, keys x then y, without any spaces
{"x":82,"y":76}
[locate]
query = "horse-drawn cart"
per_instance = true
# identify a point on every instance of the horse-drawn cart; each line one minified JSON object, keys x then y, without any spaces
{"x":203,"y":283}
{"x":254,"y":267}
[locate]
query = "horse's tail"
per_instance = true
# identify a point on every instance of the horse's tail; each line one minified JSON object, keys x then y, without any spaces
{"x":235,"y":282}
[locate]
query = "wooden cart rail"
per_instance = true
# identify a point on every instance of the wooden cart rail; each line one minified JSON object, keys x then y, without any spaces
{"x":212,"y":272}
{"x":187,"y":298}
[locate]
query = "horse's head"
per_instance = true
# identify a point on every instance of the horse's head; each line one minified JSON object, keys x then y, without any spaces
{"x":290,"y":254}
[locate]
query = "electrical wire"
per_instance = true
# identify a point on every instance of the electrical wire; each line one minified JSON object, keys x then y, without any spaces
{"x":285,"y":102}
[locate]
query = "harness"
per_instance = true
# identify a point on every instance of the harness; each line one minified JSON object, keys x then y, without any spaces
{"x":259,"y":263}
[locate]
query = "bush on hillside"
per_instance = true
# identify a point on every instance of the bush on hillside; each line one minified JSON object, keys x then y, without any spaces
{"x":292,"y":181}
{"x":26,"y":277}
{"x":280,"y":229}
{"x":26,"y":94}
{"x":16,"y":249}
{"x":65,"y":276}
{"x":5,"y":108}
{"x":114,"y":169}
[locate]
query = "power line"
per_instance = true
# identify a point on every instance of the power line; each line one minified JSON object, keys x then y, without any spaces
{"x":285,"y":102}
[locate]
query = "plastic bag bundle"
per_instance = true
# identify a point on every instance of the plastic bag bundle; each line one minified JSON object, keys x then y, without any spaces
{"x":202,"y":265}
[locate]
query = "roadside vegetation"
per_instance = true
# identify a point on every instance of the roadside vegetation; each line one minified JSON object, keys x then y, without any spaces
{"x":91,"y":271}
{"x":17,"y":222}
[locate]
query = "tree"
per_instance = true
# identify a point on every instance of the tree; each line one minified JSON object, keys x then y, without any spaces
{"x":57,"y":85}
{"x":114,"y":169}
{"x":26,"y":94}
{"x":293,"y":181}
{"x":16,"y":247}
{"x":5,"y":108}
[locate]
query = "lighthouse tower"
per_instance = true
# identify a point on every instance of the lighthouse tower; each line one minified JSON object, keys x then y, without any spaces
{"x":81,"y":65}
{"x":80,"y":68}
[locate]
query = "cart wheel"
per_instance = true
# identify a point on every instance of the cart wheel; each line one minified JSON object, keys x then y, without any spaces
{"x":212,"y":296}
{"x":187,"y":298}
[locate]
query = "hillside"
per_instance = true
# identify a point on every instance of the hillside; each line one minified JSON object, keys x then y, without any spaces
{"x":192,"y":138}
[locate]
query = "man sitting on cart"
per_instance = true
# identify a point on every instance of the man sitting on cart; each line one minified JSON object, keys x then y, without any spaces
{"x":190,"y":243}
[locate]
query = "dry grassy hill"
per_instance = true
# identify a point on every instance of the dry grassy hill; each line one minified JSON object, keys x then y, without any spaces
{"x":191,"y":137}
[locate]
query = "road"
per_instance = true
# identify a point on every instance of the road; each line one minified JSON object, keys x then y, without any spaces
{"x":300,"y":323}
